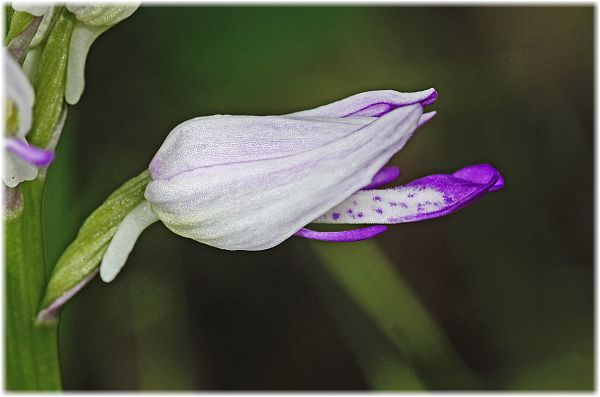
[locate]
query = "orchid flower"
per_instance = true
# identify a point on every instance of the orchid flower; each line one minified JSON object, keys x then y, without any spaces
{"x":22,"y":159}
{"x":251,"y":182}
{"x":92,"y":21}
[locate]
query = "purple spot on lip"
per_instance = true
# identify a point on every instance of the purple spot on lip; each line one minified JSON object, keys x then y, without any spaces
{"x":377,"y":198}
{"x":378,"y":210}
{"x":360,"y":215}
{"x":393,"y":204}
{"x":403,"y":205}
{"x":349,"y":212}
{"x":411,"y":195}
{"x":335,"y":216}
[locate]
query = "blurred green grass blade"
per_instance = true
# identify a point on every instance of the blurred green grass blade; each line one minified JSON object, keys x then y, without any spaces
{"x":383,"y":366}
{"x":570,"y":371}
{"x":158,"y":309}
{"x":364,"y":272}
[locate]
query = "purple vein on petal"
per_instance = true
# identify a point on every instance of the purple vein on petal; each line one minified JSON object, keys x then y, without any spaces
{"x":378,"y":109}
{"x":342,"y":236}
{"x":29,"y":153}
{"x":383,"y":176}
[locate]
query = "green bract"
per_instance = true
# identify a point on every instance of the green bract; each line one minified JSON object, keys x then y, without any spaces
{"x":80,"y":261}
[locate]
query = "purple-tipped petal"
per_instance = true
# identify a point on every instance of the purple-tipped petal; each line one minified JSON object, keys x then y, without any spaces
{"x":344,"y":236}
{"x":29,"y":153}
{"x":382,"y":177}
{"x":480,"y":173}
{"x":425,"y":198}
{"x":371,"y":104}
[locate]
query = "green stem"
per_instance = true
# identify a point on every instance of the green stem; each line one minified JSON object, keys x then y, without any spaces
{"x":31,"y":352}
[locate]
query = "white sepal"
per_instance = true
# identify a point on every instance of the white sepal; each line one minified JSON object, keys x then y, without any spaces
{"x":124,"y":239}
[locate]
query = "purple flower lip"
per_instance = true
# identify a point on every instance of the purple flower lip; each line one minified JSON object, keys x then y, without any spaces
{"x":429,"y":197}
{"x":29,"y":153}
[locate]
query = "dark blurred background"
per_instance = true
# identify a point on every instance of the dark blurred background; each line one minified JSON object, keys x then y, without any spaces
{"x":508,"y":281}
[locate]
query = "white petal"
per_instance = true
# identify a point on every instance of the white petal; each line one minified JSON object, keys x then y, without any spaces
{"x":44,"y":27}
{"x":122,"y":243}
{"x":81,"y":40}
{"x":219,"y":140}
{"x":256,"y":205}
{"x":17,"y":170}
{"x":20,"y":92}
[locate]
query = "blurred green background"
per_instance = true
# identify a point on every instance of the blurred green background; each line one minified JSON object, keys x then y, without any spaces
{"x":508,"y":282}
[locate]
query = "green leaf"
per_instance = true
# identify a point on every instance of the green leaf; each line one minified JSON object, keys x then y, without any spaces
{"x":80,"y":261}
{"x":364,"y":272}
{"x":49,"y":82}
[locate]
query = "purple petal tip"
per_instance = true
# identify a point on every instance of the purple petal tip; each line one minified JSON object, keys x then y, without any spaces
{"x":481,"y":174}
{"x":430,"y":99}
{"x":29,"y":153}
